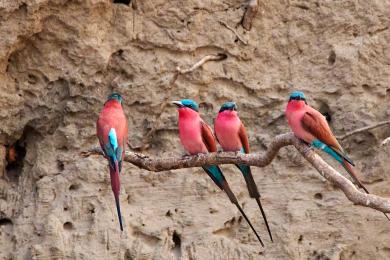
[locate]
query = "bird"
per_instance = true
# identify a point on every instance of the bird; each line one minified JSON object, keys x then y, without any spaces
{"x":112,"y":132}
{"x":197,"y":137}
{"x":311,"y":126}
{"x":231,"y":135}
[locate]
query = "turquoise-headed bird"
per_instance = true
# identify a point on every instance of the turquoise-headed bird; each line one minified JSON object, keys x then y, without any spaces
{"x":232,"y":137}
{"x":112,"y":134}
{"x":197,"y":137}
{"x":311,"y":126}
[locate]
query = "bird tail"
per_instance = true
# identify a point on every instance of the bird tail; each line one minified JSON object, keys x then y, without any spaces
{"x":345,"y":162}
{"x":253,"y":191}
{"x":351,"y":171}
{"x":337,"y":155}
{"x":115,"y":185}
{"x":349,"y":168}
{"x":234,"y":200}
{"x":215,"y":174}
{"x":250,"y":182}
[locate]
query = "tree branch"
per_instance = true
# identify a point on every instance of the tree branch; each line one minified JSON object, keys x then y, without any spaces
{"x":214,"y":57}
{"x":234,"y":31}
{"x":363,"y":129}
{"x":259,"y":160}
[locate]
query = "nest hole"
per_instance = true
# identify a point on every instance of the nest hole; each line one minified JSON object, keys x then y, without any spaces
{"x":332,"y":57}
{"x":325,"y":111}
{"x":15,"y":154}
{"x":6,"y":222}
{"x":60,"y":166}
{"x":68,"y":225}
{"x":74,"y":187}
{"x":318,"y":196}
{"x":177,"y":241}
{"x":125,"y":2}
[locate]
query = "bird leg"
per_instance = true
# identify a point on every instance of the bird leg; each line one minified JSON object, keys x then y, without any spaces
{"x":308,"y":148}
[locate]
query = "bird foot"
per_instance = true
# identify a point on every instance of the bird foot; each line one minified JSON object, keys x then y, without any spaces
{"x":185,"y":156}
{"x":308,"y":149}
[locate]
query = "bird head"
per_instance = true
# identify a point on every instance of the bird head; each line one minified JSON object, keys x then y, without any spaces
{"x":186,"y":103}
{"x":115,"y":96}
{"x":228,"y":106}
{"x":298,"y":96}
{"x":296,"y":102}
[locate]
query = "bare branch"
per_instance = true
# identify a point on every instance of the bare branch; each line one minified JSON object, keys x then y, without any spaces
{"x":235,"y":32}
{"x":214,"y":57}
{"x":363,"y":129}
{"x":259,"y":160}
{"x":250,"y":14}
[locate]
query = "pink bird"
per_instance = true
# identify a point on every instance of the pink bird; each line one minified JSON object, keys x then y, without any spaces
{"x":231,"y":135}
{"x":197,"y":137}
{"x":112,"y":134}
{"x":311,"y":126}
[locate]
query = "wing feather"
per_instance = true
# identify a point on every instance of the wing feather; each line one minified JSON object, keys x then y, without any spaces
{"x":244,"y":138}
{"x":208,"y":137}
{"x":316,"y":124}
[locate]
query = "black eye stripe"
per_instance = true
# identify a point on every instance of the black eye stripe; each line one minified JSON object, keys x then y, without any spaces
{"x":297,"y":98}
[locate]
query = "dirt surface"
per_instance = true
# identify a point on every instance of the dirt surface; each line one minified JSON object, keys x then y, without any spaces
{"x":58,"y":61}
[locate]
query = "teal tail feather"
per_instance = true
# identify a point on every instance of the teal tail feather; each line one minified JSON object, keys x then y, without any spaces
{"x":254,"y":192}
{"x":234,"y":200}
{"x":216,"y":175}
{"x":250,"y":224}
{"x":336,"y":155}
{"x":118,"y":209}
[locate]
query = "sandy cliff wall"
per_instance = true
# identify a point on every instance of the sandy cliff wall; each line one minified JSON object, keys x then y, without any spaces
{"x":58,"y":61}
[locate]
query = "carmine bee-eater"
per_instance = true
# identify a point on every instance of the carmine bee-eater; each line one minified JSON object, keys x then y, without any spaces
{"x":232,"y":137}
{"x":112,"y":133}
{"x":311,"y":126}
{"x":197,"y":137}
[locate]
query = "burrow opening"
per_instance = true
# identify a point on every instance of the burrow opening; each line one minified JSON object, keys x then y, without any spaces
{"x":68,"y":225}
{"x":15,"y":154}
{"x":126,"y":2}
{"x":6,"y":222}
{"x":177,"y":241}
